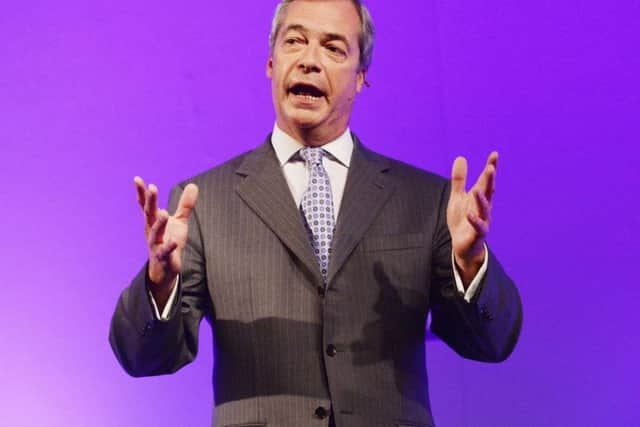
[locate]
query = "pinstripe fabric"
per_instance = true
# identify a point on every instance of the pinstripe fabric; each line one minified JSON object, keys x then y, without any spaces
{"x":282,"y":348}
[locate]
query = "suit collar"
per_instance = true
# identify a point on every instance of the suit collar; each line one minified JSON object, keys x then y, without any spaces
{"x":266,"y":192}
{"x":286,"y":146}
{"x":367,"y":190}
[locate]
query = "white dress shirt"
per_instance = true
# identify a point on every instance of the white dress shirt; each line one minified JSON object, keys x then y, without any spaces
{"x":337,"y":166}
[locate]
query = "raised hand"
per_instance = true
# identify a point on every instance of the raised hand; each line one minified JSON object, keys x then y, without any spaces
{"x":166,"y":236}
{"x":469,"y":215}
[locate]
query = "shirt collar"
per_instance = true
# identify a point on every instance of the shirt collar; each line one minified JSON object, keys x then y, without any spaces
{"x":285,"y":146}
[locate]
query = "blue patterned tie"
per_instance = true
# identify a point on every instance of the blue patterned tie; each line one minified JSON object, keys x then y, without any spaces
{"x":317,"y":207}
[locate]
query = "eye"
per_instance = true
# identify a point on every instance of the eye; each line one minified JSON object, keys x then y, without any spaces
{"x":336,"y":50}
{"x":292,"y":41}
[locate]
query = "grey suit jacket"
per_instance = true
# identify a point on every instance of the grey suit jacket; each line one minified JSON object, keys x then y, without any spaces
{"x":288,"y":352}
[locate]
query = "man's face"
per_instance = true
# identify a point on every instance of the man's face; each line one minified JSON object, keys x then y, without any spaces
{"x":314,"y":68}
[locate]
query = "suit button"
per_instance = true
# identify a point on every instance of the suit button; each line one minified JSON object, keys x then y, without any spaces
{"x":321,"y":291}
{"x":321,"y":412}
{"x":331,"y":350}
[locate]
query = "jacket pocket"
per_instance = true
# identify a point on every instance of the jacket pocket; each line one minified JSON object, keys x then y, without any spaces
{"x":392,"y":242}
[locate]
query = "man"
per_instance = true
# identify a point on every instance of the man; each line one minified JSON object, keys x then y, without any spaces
{"x":316,"y":260}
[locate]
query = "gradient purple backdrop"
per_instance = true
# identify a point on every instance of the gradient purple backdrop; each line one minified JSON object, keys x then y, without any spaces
{"x":93,"y":93}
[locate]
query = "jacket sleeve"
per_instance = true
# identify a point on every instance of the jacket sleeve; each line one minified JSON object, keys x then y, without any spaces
{"x":486,"y":328}
{"x":145,"y":345}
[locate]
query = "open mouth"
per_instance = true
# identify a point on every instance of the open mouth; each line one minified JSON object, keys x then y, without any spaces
{"x":306,"y":91}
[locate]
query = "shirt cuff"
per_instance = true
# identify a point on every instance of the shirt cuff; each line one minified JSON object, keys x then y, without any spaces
{"x":168,"y":306}
{"x":473,"y":287}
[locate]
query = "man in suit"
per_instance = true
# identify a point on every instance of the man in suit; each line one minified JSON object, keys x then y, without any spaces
{"x":315,"y":259}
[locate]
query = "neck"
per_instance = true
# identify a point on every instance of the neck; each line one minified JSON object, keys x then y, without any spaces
{"x":311,"y":137}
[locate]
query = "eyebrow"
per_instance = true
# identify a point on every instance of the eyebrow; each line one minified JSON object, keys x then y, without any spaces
{"x":325,"y":36}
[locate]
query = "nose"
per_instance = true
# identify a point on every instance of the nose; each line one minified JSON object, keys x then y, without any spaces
{"x":309,"y":61}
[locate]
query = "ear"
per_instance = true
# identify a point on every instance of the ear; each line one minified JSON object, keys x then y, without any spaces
{"x":362,"y":78}
{"x":270,"y":67}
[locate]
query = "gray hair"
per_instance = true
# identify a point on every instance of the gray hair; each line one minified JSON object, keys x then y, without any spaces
{"x":366,"y":38}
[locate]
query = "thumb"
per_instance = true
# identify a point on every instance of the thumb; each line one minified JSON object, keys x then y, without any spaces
{"x":187,"y":201}
{"x":458,"y":175}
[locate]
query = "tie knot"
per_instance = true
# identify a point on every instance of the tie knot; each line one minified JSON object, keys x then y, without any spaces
{"x":312,"y":155}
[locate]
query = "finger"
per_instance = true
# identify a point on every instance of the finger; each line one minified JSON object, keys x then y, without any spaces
{"x":486,"y":181}
{"x":491,"y":183}
{"x":481,"y":226}
{"x":484,"y":206}
{"x":458,"y":175}
{"x":187,"y":201}
{"x":151,"y":205}
{"x":156,"y":233}
{"x":163,"y":252}
{"x":492,"y":167}
{"x":140,"y":191}
{"x":493,"y":159}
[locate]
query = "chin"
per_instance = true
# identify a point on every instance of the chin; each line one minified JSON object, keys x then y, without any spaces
{"x":306,"y":119}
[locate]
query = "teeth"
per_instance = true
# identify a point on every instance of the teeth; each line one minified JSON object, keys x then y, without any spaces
{"x":309,"y":97}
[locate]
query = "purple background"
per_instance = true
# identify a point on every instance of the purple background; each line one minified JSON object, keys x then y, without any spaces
{"x":93,"y":93}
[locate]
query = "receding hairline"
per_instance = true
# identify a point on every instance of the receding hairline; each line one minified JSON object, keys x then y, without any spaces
{"x":365,"y":33}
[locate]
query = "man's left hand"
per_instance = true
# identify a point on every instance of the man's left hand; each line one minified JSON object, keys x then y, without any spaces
{"x":469,"y":215}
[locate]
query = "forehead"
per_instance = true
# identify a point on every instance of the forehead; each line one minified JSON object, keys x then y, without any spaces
{"x":324,"y":16}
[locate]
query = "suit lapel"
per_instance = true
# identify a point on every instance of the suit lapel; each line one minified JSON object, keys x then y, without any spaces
{"x":265,"y":190}
{"x":367,"y":189}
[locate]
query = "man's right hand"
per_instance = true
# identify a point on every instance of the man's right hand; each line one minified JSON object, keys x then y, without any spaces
{"x":166,"y":237}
